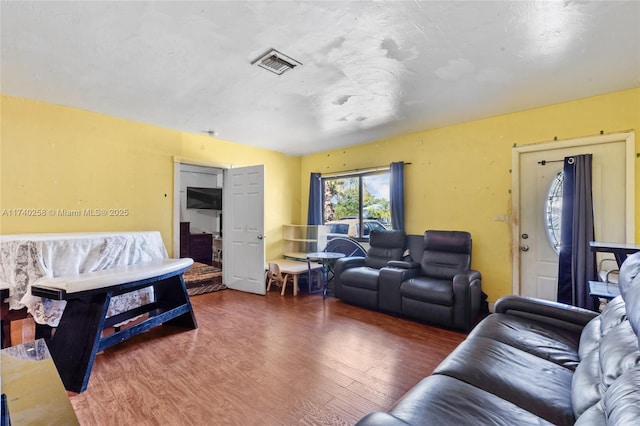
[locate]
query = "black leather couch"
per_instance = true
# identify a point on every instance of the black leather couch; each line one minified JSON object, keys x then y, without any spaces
{"x":537,"y":362}
{"x":357,"y":277}
{"x":432,"y":282}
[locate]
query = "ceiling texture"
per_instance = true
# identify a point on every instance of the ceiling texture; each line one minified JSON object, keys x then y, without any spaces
{"x":368,"y":69}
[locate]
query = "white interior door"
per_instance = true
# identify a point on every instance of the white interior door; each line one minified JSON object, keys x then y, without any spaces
{"x":243,"y":229}
{"x":535,"y":261}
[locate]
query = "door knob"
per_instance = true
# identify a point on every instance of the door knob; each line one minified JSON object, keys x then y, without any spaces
{"x":524,"y":248}
{"x":260,"y":236}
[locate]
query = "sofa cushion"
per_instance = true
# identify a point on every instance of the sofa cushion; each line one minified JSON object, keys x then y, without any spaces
{"x":632,"y":299}
{"x":378,"y":257}
{"x":585,"y":385}
{"x":443,"y":265}
{"x":620,"y":404}
{"x":446,"y":253}
{"x":532,"y":383}
{"x":440,"y":398}
{"x":617,"y":354}
{"x":428,"y":289}
{"x":622,"y":400}
{"x":385,"y":246}
{"x":554,"y":344}
{"x":361,"y":277}
{"x":613,"y":314}
{"x":448,"y":241}
{"x":629,"y":270}
{"x":593,"y":416}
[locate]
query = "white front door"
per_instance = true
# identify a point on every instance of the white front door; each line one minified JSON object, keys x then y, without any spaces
{"x":539,"y":262}
{"x":243,"y":229}
{"x":536,"y":166}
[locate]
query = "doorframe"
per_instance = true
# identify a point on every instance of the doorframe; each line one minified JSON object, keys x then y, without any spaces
{"x":177,"y":162}
{"x":630,"y":204}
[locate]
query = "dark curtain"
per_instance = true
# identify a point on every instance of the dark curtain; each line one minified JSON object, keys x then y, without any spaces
{"x":397,"y":195}
{"x":314,"y":214}
{"x":577,"y":263}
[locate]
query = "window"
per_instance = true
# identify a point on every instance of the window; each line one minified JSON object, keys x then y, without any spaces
{"x":355,"y":205}
{"x":553,"y":212}
{"x":375,"y":226}
{"x":338,"y":228}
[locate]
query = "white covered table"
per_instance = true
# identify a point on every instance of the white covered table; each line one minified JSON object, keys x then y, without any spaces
{"x":26,"y":258}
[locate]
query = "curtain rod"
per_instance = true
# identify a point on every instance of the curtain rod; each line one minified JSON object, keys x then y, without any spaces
{"x":544,"y":162}
{"x":358,"y":171}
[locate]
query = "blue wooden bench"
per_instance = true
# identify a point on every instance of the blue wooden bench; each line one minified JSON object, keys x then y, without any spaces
{"x":79,"y":335}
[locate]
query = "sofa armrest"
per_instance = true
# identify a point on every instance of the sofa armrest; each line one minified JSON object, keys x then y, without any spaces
{"x":403,"y":264}
{"x":546,"y":311}
{"x":379,"y":418}
{"x":346,"y":263}
{"x":389,"y":282}
{"x":340,"y":266}
{"x":467,"y":293}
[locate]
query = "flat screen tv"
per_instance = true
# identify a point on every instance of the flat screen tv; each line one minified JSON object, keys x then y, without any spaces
{"x":204,"y":198}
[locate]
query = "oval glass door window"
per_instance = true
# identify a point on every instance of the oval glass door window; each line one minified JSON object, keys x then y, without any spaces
{"x":553,"y":212}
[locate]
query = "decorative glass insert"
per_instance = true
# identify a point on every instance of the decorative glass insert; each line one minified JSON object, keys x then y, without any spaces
{"x":553,"y":212}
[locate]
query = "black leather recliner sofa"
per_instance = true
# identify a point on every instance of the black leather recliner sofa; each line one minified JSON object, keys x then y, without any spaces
{"x":433,"y":283}
{"x":357,"y":277}
{"x":537,"y":362}
{"x":437,"y":285}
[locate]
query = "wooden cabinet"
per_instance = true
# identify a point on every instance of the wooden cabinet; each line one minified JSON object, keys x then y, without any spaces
{"x":201,"y":248}
{"x":298,"y":240}
{"x":184,"y":239}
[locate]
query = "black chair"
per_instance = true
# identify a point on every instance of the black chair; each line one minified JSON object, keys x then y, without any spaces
{"x":437,"y":284}
{"x":347,"y":246}
{"x":356,"y":277}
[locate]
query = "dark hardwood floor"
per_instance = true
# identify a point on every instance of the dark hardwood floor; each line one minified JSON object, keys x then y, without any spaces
{"x":263,"y":360}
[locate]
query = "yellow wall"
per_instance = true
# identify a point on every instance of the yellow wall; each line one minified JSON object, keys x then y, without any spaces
{"x":459,"y":177}
{"x":54,"y":157}
{"x":57,"y":158}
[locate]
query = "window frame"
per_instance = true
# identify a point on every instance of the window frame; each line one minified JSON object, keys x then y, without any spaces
{"x":361,"y":225}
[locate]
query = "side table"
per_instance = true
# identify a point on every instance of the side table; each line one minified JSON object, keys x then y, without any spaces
{"x":327,"y":259}
{"x":619,"y":250}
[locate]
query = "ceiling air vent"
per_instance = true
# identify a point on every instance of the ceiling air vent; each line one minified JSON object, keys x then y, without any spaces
{"x":276,"y":62}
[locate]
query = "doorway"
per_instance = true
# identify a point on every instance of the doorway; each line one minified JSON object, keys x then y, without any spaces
{"x":243,"y":226}
{"x":198,"y":213}
{"x":535,"y":168}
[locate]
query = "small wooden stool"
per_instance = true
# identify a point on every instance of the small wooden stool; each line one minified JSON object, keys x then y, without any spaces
{"x":275,"y":276}
{"x":293,"y":269}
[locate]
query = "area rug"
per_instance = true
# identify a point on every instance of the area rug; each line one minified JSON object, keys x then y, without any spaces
{"x":202,"y":278}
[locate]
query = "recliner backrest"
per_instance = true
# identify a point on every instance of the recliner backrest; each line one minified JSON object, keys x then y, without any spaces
{"x":385,"y":246}
{"x":446,"y":253}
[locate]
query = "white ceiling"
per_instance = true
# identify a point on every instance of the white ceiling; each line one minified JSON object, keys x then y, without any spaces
{"x":370,"y":70}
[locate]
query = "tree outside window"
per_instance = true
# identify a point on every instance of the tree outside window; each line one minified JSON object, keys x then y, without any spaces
{"x":357,"y":204}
